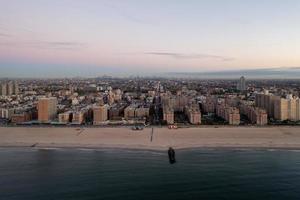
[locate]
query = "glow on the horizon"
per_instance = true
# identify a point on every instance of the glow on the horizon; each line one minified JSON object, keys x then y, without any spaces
{"x":140,"y":35}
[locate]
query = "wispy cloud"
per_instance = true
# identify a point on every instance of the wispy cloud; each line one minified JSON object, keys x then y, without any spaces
{"x":59,"y":45}
{"x":54,"y":45}
{"x":189,"y":56}
{"x":5,"y":35}
{"x":64,"y":43}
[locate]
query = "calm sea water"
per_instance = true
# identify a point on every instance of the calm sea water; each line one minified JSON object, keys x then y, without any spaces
{"x":38,"y":174}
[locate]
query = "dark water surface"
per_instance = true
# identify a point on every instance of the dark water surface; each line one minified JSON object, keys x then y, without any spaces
{"x":39,"y":174}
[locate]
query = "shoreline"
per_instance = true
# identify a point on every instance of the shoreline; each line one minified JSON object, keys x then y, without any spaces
{"x":125,"y":138}
{"x":150,"y":126}
{"x":234,"y":148}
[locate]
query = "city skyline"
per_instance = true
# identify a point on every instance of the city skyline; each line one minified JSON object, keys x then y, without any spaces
{"x":91,"y":38}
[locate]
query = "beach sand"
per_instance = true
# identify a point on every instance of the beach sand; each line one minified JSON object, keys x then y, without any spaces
{"x":124,"y":137}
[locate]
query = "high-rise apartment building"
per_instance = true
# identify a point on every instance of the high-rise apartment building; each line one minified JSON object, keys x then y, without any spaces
{"x":3,"y":89}
{"x":168,"y":115}
{"x":232,"y":115}
{"x":100,"y":114}
{"x":9,"y":88}
{"x":47,"y":109}
{"x":292,"y":109}
{"x":242,"y":84}
{"x":259,"y":116}
{"x":266,"y":101}
{"x":16,"y":88}
{"x":228,"y":113}
{"x":298,"y":109}
{"x":209,"y":104}
{"x":193,"y":113}
{"x":281,"y":109}
{"x":256,"y":115}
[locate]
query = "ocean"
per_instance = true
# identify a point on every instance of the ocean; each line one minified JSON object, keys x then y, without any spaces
{"x":42,"y":174}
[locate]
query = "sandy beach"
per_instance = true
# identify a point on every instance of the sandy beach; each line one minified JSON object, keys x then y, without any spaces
{"x":237,"y":137}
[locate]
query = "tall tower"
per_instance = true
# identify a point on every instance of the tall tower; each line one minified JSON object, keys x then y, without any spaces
{"x":10,"y":88}
{"x":16,"y":88}
{"x":3,"y":89}
{"x":241,"y":86}
{"x":47,"y":109}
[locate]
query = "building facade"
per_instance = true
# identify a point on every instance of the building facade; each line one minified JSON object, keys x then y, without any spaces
{"x":100,"y":114}
{"x":168,"y":115}
{"x":47,"y":109}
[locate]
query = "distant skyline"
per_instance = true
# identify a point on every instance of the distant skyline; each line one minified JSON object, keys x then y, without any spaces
{"x":121,"y":37}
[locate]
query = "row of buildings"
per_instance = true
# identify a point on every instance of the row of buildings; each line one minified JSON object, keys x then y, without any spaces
{"x":47,"y":112}
{"x":18,"y":114}
{"x":193,"y":114}
{"x":174,"y":101}
{"x":278,"y":107}
{"x":180,"y":103}
{"x":136,"y":112}
{"x":228,"y":113}
{"x":231,"y":109}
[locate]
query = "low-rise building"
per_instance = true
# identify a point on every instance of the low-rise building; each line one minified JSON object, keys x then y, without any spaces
{"x":141,"y":112}
{"x":129,"y":112}
{"x":65,"y":117}
{"x":21,"y":117}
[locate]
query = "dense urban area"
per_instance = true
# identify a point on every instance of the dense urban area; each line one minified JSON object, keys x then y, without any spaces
{"x":108,"y":101}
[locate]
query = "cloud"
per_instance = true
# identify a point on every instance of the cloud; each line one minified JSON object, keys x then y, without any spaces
{"x":54,"y":45}
{"x":189,"y":56}
{"x":63,"y":43}
{"x":59,"y":45}
{"x":4,"y":35}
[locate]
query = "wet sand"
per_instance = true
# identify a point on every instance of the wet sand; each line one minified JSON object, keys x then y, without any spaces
{"x":124,"y":137}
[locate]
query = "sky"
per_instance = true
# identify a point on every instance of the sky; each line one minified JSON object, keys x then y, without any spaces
{"x":96,"y":37}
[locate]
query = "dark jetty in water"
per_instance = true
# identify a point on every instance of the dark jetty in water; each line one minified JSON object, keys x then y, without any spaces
{"x":171,"y":153}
